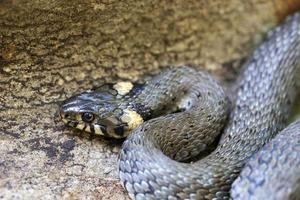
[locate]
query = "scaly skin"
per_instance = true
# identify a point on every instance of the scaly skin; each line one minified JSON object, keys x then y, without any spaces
{"x":266,"y":91}
{"x":196,"y":109}
{"x":273,"y":172}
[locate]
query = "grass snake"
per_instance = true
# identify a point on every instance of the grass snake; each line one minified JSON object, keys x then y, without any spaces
{"x":179,"y":114}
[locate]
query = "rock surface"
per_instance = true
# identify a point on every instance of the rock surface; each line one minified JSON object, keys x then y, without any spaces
{"x":51,"y":49}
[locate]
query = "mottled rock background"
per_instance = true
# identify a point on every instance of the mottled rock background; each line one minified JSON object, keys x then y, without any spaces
{"x":52,"y":49}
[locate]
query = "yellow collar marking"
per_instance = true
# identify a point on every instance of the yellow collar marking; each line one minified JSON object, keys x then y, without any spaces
{"x":132,"y":118}
{"x":123,"y":87}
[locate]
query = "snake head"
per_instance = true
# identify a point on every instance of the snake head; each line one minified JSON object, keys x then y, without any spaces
{"x":100,"y":111}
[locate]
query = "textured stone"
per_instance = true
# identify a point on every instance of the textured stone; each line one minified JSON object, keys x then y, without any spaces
{"x":52,"y":49}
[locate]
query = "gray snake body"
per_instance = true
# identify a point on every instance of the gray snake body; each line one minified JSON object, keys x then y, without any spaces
{"x":196,"y":108}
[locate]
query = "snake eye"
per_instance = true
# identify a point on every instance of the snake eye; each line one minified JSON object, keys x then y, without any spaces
{"x":87,"y":117}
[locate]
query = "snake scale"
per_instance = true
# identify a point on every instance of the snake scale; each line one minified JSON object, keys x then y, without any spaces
{"x":179,"y":114}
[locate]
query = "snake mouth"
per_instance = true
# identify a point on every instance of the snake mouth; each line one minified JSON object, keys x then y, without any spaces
{"x":115,"y":131}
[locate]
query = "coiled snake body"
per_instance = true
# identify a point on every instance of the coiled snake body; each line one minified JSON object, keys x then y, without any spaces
{"x":187,"y":111}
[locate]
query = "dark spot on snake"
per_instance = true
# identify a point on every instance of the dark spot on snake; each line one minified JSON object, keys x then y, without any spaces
{"x":270,"y":86}
{"x":142,"y":110}
{"x":186,"y":136}
{"x":92,"y":129}
{"x":151,"y":189}
{"x":251,"y":130}
{"x":209,"y":117}
{"x":229,"y":137}
{"x":199,"y":95}
{"x":119,"y":130}
{"x":234,"y":122}
{"x":84,"y":127}
{"x":136,"y":90}
{"x":103,"y":129}
{"x":124,"y":150}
